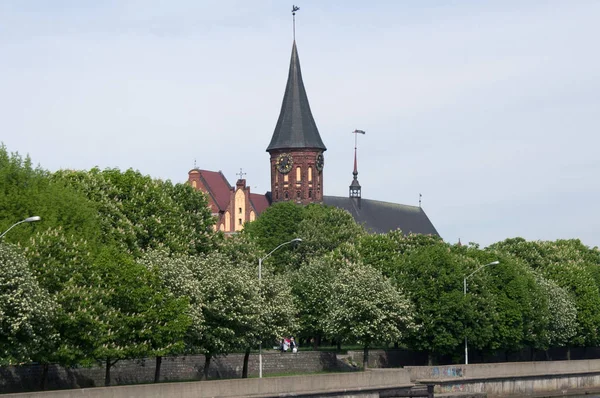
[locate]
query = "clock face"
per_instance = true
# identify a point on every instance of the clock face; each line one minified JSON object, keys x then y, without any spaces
{"x":320,"y":162}
{"x":284,"y":163}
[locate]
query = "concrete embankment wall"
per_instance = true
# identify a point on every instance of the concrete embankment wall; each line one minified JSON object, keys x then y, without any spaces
{"x":511,"y":378}
{"x":347,"y":385}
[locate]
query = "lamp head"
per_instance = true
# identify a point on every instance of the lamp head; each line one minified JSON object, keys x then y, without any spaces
{"x":32,"y":219}
{"x":297,"y":240}
{"x":494,"y":263}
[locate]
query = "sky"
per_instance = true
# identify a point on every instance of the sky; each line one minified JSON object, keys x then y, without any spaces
{"x":490,"y":110}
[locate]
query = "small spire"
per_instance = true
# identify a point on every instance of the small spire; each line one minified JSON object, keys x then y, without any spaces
{"x":195,"y":164}
{"x":355,"y":188}
{"x":420,"y":196}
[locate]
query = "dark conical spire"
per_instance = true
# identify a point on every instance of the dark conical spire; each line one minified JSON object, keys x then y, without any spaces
{"x":295,"y":127}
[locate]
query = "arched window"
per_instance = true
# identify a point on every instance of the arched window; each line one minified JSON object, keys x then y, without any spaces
{"x":298,"y":174}
{"x":298,"y":195}
{"x":310,"y":193}
{"x":286,"y":195}
{"x":310,"y":174}
{"x":194,"y":184}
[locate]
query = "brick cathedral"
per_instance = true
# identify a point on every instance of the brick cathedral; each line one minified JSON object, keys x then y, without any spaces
{"x":297,"y":166}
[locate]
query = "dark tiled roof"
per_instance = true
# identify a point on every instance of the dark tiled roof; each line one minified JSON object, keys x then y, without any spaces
{"x":382,"y":217}
{"x":218,"y":187}
{"x":259,"y":202}
{"x":295,"y":127}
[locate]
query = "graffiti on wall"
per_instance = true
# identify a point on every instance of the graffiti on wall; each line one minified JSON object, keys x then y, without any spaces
{"x":447,"y":371}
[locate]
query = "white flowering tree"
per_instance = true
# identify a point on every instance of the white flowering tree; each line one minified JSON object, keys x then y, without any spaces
{"x":312,"y":286}
{"x":562,"y":325}
{"x":27,"y":311}
{"x":365,"y":308}
{"x":139,"y":213}
{"x":174,"y":270}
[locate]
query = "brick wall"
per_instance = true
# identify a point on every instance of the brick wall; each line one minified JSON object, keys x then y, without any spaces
{"x":183,"y":368}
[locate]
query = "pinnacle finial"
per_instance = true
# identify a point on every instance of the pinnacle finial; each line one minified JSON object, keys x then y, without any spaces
{"x":294,"y":9}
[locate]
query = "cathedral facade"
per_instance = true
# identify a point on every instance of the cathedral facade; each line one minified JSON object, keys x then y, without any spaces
{"x":297,"y":165}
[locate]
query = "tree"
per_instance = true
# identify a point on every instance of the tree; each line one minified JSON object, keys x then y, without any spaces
{"x":365,"y":308}
{"x":277,"y":316}
{"x":277,"y":224}
{"x":26,"y":191}
{"x":139,"y":213}
{"x":312,"y":286}
{"x":572,"y":266}
{"x":26,"y":311}
{"x":323,"y":229}
{"x":432,"y":277}
{"x":143,"y":318}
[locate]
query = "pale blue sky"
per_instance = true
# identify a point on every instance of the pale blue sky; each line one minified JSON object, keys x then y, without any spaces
{"x":489,"y":109}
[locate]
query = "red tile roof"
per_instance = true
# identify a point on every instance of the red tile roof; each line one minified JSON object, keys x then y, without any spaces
{"x":218,"y":187}
{"x":260,"y":202}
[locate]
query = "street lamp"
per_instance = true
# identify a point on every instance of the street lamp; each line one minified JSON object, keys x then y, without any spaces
{"x":28,"y":219}
{"x":465,"y":294}
{"x":260,"y":261}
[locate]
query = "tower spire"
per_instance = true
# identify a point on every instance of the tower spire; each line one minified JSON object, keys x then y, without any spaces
{"x":355,"y":188}
{"x":294,"y":9}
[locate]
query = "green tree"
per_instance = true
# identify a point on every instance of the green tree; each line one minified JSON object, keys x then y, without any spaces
{"x":323,"y":229}
{"x":277,"y":224}
{"x":26,"y":191}
{"x":574,"y":267}
{"x":432,"y":277}
{"x":365,"y":308}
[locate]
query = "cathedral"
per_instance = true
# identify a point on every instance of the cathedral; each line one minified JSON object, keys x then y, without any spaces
{"x":297,"y":166}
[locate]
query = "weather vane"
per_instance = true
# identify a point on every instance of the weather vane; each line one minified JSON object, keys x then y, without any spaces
{"x":420,"y":201}
{"x":294,"y":9}
{"x":241,"y":174}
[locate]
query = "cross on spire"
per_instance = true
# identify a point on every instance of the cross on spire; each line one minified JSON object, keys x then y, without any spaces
{"x":241,"y":174}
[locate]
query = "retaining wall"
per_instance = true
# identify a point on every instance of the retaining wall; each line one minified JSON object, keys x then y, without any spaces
{"x":516,"y":378}
{"x":27,"y":378}
{"x":347,"y":385}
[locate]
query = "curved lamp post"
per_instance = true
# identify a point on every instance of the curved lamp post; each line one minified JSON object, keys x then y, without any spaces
{"x":260,"y":261}
{"x":28,"y":219}
{"x":465,"y":294}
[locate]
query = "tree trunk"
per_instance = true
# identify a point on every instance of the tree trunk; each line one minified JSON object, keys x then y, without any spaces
{"x":548,"y":355}
{"x":107,"y":373}
{"x":429,"y":359}
{"x":568,"y":353}
{"x":245,"y":368}
{"x":157,"y":369}
{"x":365,"y":357}
{"x":207,"y":359}
{"x":44,"y":381}
{"x":339,"y":345}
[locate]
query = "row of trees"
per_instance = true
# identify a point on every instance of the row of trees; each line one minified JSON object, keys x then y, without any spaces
{"x":124,"y":266}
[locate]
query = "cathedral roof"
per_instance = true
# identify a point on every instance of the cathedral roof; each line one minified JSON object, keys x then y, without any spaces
{"x":383,"y":217}
{"x":217,"y":186}
{"x":296,"y":127}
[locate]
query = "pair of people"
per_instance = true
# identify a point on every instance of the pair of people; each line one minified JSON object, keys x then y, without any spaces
{"x":289,"y":343}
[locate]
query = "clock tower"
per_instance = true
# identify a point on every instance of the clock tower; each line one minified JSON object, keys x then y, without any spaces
{"x":296,"y":147}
